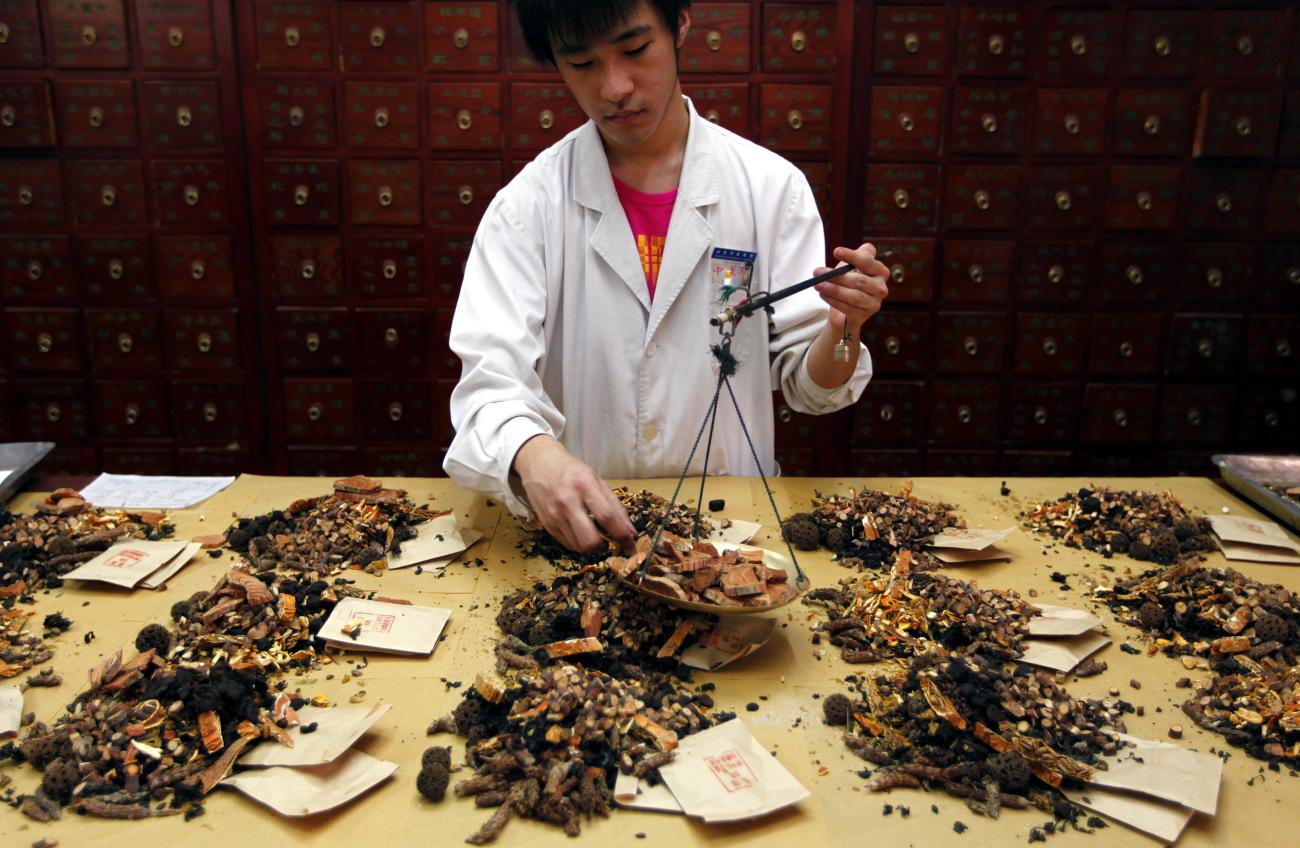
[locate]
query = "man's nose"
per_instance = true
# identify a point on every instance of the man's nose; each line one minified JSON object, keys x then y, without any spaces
{"x":617,"y":85}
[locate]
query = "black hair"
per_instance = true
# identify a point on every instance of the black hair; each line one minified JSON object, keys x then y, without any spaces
{"x":583,"y":22}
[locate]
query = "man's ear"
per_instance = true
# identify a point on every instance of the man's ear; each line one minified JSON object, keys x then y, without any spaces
{"x":683,"y":27}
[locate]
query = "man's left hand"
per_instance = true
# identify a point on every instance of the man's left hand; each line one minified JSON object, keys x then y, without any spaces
{"x":857,"y":295}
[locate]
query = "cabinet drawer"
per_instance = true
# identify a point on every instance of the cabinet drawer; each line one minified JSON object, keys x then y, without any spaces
{"x":1289,"y":141}
{"x":1057,"y":272}
{"x":389,"y":266}
{"x":1136,"y":272}
{"x":295,"y":35}
{"x":318,"y":410}
{"x":181,"y":115}
{"x":6,"y":420}
{"x":1247,"y":44}
{"x":1216,"y":273}
{"x":1063,"y":198}
{"x":381,"y":114}
{"x":87,"y":35}
{"x":793,"y":429}
{"x":885,"y":463}
{"x":190,"y":194}
{"x":977,"y":271}
{"x":444,"y":360}
{"x":124,"y":340}
{"x":1280,"y":286}
{"x":542,"y":114}
{"x":450,"y":253}
{"x":961,"y":463}
{"x":195,"y":268}
{"x":379,"y":36}
{"x":1273,"y":344}
{"x":898,"y":341}
{"x":1163,"y":44}
{"x":1080,"y":43}
{"x":901,"y":197}
{"x":396,"y":411}
{"x":1050,"y":345}
{"x":911,"y":268}
{"x":402,"y":462}
{"x":23,"y":47}
{"x":135,"y":409}
{"x":202,"y":339}
{"x":1269,"y":416}
{"x":890,"y":412}
{"x":108,"y":192}
{"x":718,"y":40}
{"x":53,"y":412}
{"x":1071,"y":121}
{"x":36,"y":268}
{"x":392,"y":339}
{"x":320,"y":462}
{"x":115,"y":268}
{"x":913,"y":40}
{"x":1237,"y":123}
{"x":30,"y":192}
{"x":459,"y":192}
{"x":989,"y":120}
{"x":1152,"y":123}
{"x":796,"y":461}
{"x":1037,"y":463}
{"x":297,"y":114}
{"x":215,"y":460}
{"x":1119,"y":414}
{"x":970,"y":343}
{"x":1142,"y":197}
{"x":385,"y":191}
{"x":1224,"y":200}
{"x":26,"y":113}
{"x":306,"y":266}
{"x":176,"y":34}
{"x":313,"y":339}
{"x":725,"y":104}
{"x":795,"y":118}
{"x":1195,"y":414}
{"x":302,"y":192}
{"x":211,"y":411}
{"x":982,"y":196}
{"x":1043,"y":413}
{"x":1284,"y":201}
{"x":139,"y":460}
{"x":45,"y":340}
{"x":799,"y":39}
{"x":905,"y":119}
{"x":1204,"y":345}
{"x":1125,"y":344}
{"x":461,"y":36}
{"x":994,"y":42}
{"x":964,"y":413}
{"x":465,"y":115}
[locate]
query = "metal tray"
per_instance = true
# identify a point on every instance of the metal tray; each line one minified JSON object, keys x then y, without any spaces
{"x":22,"y":457}
{"x":1249,"y":474}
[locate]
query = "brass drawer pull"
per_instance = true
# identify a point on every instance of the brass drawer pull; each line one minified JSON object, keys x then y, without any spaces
{"x":1040,"y":415}
{"x":381,"y":117}
{"x":1120,"y":417}
{"x":1134,"y":274}
{"x":1162,"y":46}
{"x":976,"y":273}
{"x":1144,"y":201}
{"x":131,"y":414}
{"x":971,"y":346}
{"x":1049,"y":346}
{"x":464,"y":119}
{"x":175,"y":36}
{"x":204,"y":343}
{"x":1056,"y":274}
{"x":982,"y":200}
{"x":906,"y":122}
{"x":1078,"y":45}
{"x":307,"y":269}
{"x":389,"y":269}
{"x":798,"y":41}
{"x":301,"y":194}
{"x":911,"y":42}
{"x":1063,"y":201}
{"x":466,"y":195}
{"x":1194,"y":417}
{"x":1214,"y":278}
{"x":377,"y":36}
{"x":997,"y":44}
{"x":315,"y":411}
{"x":95,"y":117}
{"x":8,"y":116}
{"x":53,"y":412}
{"x":209,"y":412}
{"x":44,"y":342}
{"x":795,"y":119}
{"x":191,"y":195}
{"x":116,"y":269}
{"x":292,"y":37}
{"x":313,"y":342}
{"x":125,"y":344}
{"x":546,"y":119}
{"x":385,"y":196}
{"x":394,"y":412}
{"x":964,"y":414}
{"x":1072,"y":125}
{"x":892,"y":345}
{"x":198,"y":269}
{"x":887,"y":413}
{"x":108,"y":195}
{"x":89,"y":36}
{"x":461,"y":39}
{"x":35,"y":270}
{"x":714,"y":40}
{"x":901,"y":198}
{"x":184,"y":117}
{"x":296,"y":116}
{"x":391,"y":337}
{"x":989,"y":122}
{"x":1151,"y":126}
{"x":1126,"y":350}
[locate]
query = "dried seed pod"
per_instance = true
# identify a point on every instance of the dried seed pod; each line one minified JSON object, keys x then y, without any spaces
{"x":154,"y":637}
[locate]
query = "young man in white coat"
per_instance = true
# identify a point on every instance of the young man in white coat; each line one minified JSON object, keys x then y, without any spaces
{"x":583,"y":320}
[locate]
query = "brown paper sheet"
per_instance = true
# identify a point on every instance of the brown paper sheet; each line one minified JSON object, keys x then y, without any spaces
{"x":1252,"y":531}
{"x":436,"y":540}
{"x":158,"y":580}
{"x":307,"y":791}
{"x":337,"y":730}
{"x":1065,"y":653}
{"x":1168,"y":772}
{"x":1160,"y":819}
{"x":1061,"y":621}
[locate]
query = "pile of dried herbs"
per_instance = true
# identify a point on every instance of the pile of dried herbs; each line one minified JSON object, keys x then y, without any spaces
{"x":1248,"y":631}
{"x":1146,"y":526}
{"x":19,"y":649}
{"x":867,"y":529}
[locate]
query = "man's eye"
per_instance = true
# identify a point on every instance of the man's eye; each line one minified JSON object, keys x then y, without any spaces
{"x":580,"y":66}
{"x":637,"y":51}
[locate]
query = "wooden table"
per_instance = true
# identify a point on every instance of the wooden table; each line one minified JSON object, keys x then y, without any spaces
{"x":790,"y":672}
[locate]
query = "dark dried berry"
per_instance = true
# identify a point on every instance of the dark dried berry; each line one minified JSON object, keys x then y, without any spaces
{"x":1165,"y":548}
{"x":1185,"y":528}
{"x":836,"y":709}
{"x":1152,"y":615}
{"x":60,"y":778}
{"x":154,"y":636}
{"x":1140,"y":550}
{"x":1009,"y":769}
{"x":432,"y":782}
{"x":1271,"y":628}
{"x":803,"y":534}
{"x":437,"y":755}
{"x":838,"y":538}
{"x":182,"y":609}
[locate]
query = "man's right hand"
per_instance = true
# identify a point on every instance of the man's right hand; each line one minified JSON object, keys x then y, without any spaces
{"x":566,"y":493}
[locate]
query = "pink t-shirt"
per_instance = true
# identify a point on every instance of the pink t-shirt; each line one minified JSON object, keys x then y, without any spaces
{"x":649,"y":215}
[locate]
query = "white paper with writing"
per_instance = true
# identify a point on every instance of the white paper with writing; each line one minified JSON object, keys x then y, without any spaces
{"x":1061,"y":621}
{"x":1062,"y":654}
{"x":1164,"y":771}
{"x":159,"y":578}
{"x":637,"y":794}
{"x":968,"y":539}
{"x":139,"y":491}
{"x":307,"y":791}
{"x":1160,"y":819}
{"x":734,"y":637}
{"x":385,"y":627}
{"x":127,"y":563}
{"x":337,"y":730}
{"x":11,"y":711}
{"x":722,"y":774}
{"x":437,"y":539}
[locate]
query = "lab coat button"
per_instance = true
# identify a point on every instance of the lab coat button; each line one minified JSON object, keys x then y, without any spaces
{"x":652,"y":350}
{"x":650,"y":431}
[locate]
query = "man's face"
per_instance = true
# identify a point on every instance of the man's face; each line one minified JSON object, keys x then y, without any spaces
{"x":627,"y":82}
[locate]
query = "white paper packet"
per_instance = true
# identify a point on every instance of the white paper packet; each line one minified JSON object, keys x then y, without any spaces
{"x":1257,"y":553}
{"x":385,"y":627}
{"x":737,"y":533}
{"x":159,"y":578}
{"x":968,"y":539}
{"x":722,"y":774}
{"x":1252,"y":531}
{"x":1063,"y":654}
{"x":437,"y":539}
{"x":11,"y":711}
{"x":127,"y":563}
{"x":952,"y":556}
{"x":637,"y":794}
{"x":1162,"y":820}
{"x":1168,"y":772}
{"x":307,"y":791}
{"x":337,"y":730}
{"x":1061,"y":621}
{"x":734,"y":637}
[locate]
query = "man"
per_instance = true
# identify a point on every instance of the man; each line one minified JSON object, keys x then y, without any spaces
{"x":583,"y":320}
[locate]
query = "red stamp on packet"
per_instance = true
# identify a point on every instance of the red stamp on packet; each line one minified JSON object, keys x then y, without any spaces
{"x":731,"y":770}
{"x":125,"y":558}
{"x":372,"y":623}
{"x":725,"y":639}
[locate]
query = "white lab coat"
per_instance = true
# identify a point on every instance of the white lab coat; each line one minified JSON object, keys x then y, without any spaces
{"x":557,"y":334}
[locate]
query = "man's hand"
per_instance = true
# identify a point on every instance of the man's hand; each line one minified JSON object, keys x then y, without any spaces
{"x":566,"y":494}
{"x":857,"y":295}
